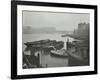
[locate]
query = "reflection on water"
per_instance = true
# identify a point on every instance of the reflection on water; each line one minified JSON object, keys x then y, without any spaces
{"x":53,"y":61}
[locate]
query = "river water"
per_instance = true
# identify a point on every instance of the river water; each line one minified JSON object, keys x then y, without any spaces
{"x":47,"y":59}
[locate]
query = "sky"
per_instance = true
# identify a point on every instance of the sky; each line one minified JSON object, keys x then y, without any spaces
{"x":61,"y":21}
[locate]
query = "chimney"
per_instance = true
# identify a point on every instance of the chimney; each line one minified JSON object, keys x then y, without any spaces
{"x":66,"y":43}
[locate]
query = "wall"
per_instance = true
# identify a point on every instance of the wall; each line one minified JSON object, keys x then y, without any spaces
{"x":5,"y":41}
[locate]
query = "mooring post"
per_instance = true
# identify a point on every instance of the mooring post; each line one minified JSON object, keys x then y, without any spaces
{"x":46,"y":65}
{"x":38,"y":60}
{"x":67,"y":44}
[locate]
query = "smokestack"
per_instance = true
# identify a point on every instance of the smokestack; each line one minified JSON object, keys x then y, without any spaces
{"x":66,"y":43}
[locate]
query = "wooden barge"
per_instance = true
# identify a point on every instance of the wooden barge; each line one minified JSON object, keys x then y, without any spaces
{"x":59,"y":53}
{"x":45,"y":44}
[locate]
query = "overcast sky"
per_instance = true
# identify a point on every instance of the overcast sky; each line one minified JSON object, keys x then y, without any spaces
{"x":62,"y":21}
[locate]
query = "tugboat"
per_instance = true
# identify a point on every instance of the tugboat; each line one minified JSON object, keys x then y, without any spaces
{"x":59,"y":53}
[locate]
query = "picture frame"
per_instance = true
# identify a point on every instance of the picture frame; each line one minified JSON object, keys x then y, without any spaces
{"x":20,"y":16}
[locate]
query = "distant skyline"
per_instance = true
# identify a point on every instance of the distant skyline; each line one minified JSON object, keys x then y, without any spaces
{"x":61,"y":21}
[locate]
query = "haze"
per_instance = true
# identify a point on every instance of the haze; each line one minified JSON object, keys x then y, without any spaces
{"x":61,"y":21}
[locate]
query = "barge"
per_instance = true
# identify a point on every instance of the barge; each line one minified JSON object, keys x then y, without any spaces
{"x":45,"y":44}
{"x":59,"y":53}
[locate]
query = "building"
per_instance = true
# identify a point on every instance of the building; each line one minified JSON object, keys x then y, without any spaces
{"x":79,"y":50}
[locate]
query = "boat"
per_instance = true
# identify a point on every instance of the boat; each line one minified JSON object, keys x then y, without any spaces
{"x":59,"y":53}
{"x":45,"y":44}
